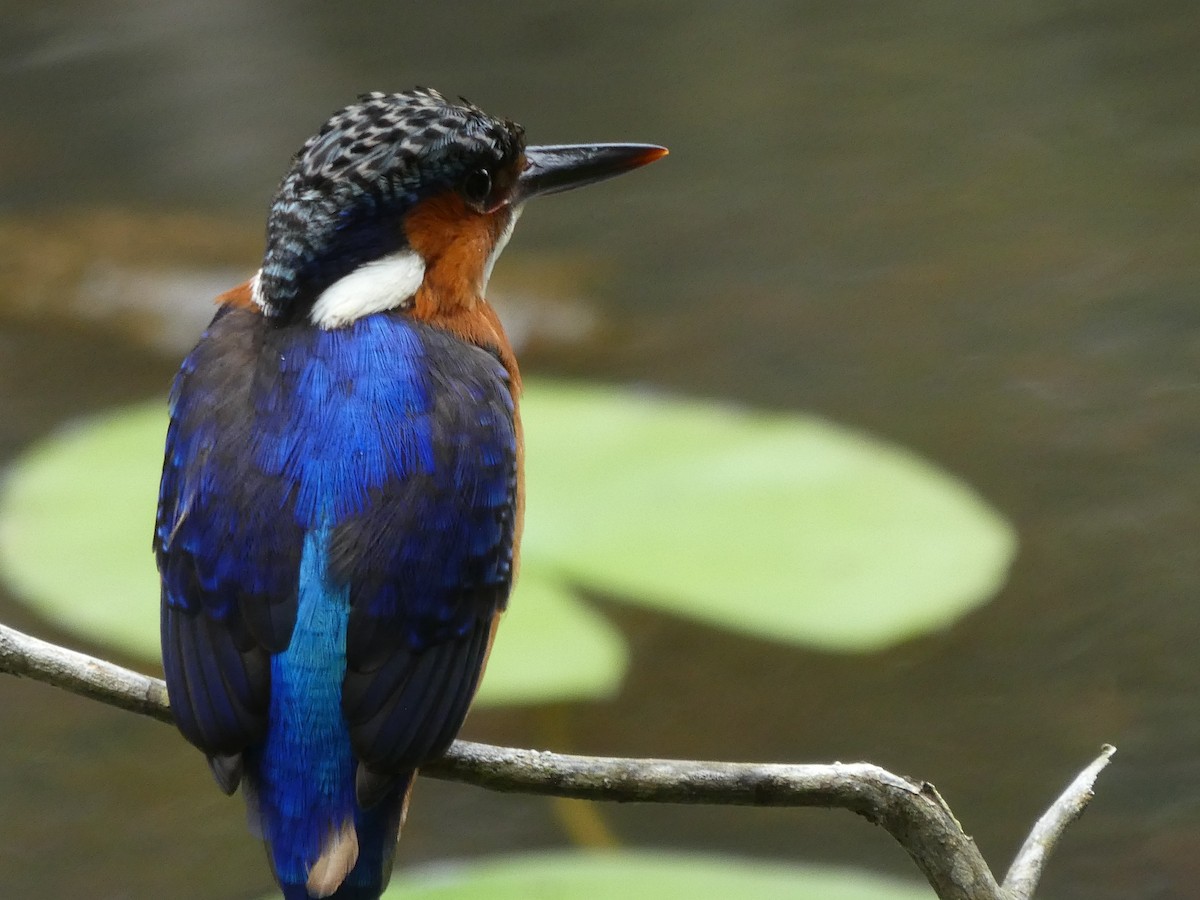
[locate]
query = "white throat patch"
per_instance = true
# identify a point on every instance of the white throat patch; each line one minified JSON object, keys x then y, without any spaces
{"x":256,"y":293}
{"x":389,"y":282}
{"x":501,"y":243}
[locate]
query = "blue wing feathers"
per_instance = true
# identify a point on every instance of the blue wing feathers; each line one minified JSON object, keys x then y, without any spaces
{"x":411,"y":708}
{"x":446,"y":716}
{"x":223,"y":701}
{"x":388,"y":450}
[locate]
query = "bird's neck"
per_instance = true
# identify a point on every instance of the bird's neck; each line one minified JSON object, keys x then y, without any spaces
{"x":438,"y":276}
{"x":472,"y":320}
{"x":476,"y":323}
{"x":459,"y":247}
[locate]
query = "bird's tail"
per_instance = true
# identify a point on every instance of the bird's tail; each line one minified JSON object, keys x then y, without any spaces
{"x":321,"y":842}
{"x":353,"y":861}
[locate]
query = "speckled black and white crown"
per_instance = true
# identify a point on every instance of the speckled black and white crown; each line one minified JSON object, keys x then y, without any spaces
{"x":338,"y":207}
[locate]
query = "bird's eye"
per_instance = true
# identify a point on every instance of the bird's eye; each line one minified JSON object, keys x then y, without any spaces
{"x":477,"y":186}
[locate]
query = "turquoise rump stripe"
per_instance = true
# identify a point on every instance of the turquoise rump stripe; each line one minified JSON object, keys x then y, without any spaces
{"x":306,"y":775}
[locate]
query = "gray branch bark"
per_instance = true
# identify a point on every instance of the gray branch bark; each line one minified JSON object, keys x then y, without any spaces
{"x":910,"y":811}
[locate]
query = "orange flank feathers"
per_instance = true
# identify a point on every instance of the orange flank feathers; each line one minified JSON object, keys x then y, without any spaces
{"x":241,"y":296}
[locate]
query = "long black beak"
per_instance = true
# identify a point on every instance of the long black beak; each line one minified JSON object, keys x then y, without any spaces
{"x":549,"y":170}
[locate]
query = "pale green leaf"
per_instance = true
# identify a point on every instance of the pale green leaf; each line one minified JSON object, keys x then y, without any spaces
{"x":551,"y":647}
{"x":786,"y":527}
{"x":783,"y":526}
{"x":653,"y":876}
{"x":76,"y":520}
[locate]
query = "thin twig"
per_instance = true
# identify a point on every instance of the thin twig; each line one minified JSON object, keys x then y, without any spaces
{"x":81,"y":674}
{"x":912,"y":812}
{"x":1026,"y":871}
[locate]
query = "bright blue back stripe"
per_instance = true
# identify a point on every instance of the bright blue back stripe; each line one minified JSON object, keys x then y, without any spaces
{"x":306,"y":771}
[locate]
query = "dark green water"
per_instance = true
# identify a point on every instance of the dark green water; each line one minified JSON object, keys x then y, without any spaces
{"x":970,"y":229}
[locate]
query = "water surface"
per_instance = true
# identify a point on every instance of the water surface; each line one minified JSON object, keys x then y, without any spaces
{"x":968,"y":229}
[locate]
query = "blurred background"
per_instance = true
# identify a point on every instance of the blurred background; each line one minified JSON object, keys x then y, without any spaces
{"x":969,"y":229}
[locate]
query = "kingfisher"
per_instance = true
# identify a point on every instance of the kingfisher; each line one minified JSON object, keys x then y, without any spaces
{"x":342,"y":494}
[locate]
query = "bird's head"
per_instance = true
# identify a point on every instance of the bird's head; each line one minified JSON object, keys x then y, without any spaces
{"x":405,"y":201}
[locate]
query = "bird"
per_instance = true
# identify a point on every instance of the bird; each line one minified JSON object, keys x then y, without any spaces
{"x":341,"y":501}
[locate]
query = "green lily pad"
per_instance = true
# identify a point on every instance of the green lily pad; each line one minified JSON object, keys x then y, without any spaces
{"x":76,"y":518}
{"x":660,"y":876}
{"x":76,"y":515}
{"x":786,"y":527}
{"x":552,"y":647}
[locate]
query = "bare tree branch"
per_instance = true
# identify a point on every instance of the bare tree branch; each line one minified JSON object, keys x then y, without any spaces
{"x":912,"y":812}
{"x":1026,"y":870}
{"x":81,"y":674}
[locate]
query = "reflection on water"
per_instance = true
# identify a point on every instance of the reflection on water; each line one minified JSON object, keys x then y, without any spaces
{"x":968,"y":229}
